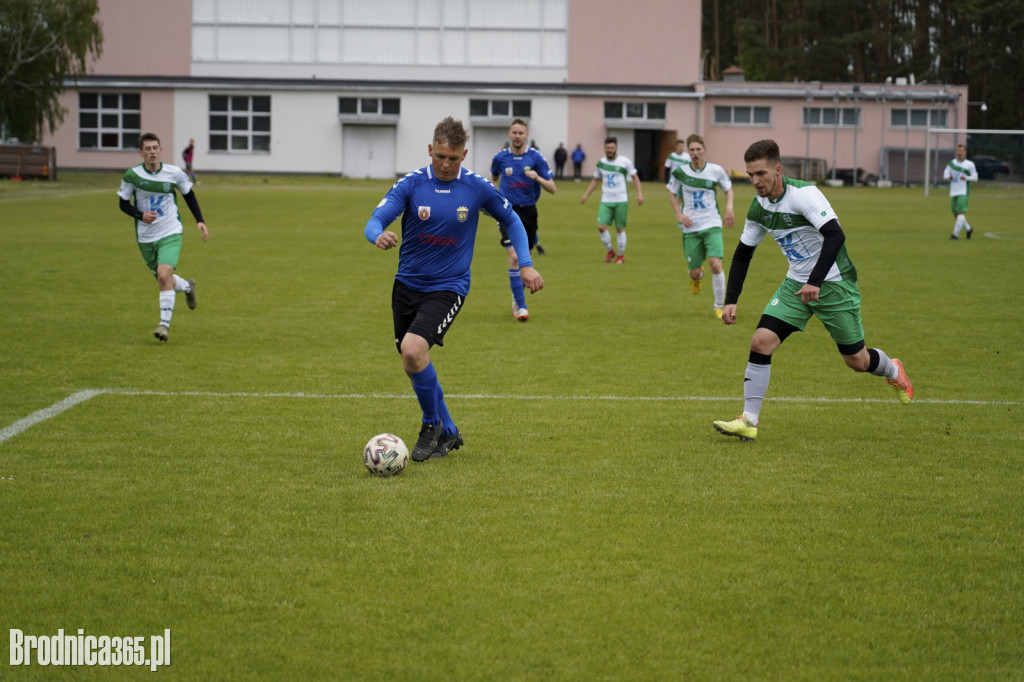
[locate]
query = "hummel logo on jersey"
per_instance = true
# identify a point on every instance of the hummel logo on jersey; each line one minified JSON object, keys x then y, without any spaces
{"x":442,"y":191}
{"x":462,"y":213}
{"x":423,"y":212}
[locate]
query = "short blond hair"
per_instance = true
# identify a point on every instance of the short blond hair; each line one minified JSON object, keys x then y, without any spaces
{"x":451,"y":132}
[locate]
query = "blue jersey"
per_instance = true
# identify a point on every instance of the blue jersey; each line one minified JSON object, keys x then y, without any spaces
{"x":439,"y":221}
{"x":510,"y":169}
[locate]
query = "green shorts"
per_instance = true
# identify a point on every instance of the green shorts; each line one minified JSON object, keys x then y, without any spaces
{"x":958,"y":204}
{"x":613,"y":213}
{"x":161,"y":252}
{"x":699,"y":246}
{"x":838,"y":308}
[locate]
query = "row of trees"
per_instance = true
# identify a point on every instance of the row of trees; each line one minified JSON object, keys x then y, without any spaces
{"x":978,"y":43}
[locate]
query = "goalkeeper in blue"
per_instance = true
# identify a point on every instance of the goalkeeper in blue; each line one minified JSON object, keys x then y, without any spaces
{"x":821,"y":281}
{"x":439,"y":206}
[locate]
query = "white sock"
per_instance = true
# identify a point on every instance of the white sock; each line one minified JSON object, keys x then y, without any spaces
{"x":166,"y":307}
{"x":621,"y":238}
{"x":606,"y":239}
{"x":180,"y":284}
{"x":718,"y":287}
{"x":885,"y":366}
{"x":958,"y":225}
{"x":755,"y":385}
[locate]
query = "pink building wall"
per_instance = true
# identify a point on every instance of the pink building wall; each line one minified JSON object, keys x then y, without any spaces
{"x":650,"y":42}
{"x":152,"y":37}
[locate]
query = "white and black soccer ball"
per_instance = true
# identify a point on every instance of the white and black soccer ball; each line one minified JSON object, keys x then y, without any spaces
{"x":386,"y":455}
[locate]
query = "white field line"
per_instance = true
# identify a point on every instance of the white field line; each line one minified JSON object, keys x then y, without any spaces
{"x":47,"y":412}
{"x":42,"y":415}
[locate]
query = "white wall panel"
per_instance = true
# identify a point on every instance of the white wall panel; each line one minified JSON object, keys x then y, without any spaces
{"x":428,"y":47}
{"x":304,"y":11}
{"x":428,"y":12}
{"x":499,"y":48}
{"x":329,"y":12}
{"x":253,"y":44}
{"x":409,"y":33}
{"x":303,"y":47}
{"x":378,"y":46}
{"x":204,"y":43}
{"x":380,"y":13}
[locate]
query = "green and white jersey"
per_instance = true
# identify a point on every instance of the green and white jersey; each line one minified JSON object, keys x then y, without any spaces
{"x":155,"y":192}
{"x":699,"y":192}
{"x":614,"y":175}
{"x":959,"y":174}
{"x":676,"y":160}
{"x":793,"y":221}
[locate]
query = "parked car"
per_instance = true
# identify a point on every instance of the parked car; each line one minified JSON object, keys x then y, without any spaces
{"x":988,"y":166}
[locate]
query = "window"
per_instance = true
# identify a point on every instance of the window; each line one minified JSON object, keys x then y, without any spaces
{"x":831,"y":116}
{"x":634,"y":111}
{"x":743,"y":116}
{"x":109,"y":120}
{"x":240,"y":123}
{"x":919,"y":118}
{"x":500,"y":108}
{"x":368,"y":107}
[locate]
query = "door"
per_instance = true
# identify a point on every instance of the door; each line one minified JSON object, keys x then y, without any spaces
{"x":368,"y":151}
{"x":483,"y":145}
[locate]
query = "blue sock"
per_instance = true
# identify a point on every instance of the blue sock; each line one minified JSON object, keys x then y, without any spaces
{"x":442,"y":411}
{"x":516,"y":282}
{"x":427,"y":390}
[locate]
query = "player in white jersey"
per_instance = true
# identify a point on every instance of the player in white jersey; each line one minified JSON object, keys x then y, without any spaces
{"x":676,"y":159}
{"x":697,"y":183}
{"x":147,"y":195}
{"x":960,"y":171}
{"x":612,"y":172}
{"x":821,"y":281}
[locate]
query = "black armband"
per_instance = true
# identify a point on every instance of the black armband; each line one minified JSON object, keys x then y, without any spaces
{"x":738,"y":272}
{"x":193,"y":205}
{"x":834,"y":239}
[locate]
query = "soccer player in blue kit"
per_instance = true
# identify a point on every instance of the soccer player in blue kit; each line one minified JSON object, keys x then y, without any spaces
{"x":440,"y":207}
{"x":521,"y":171}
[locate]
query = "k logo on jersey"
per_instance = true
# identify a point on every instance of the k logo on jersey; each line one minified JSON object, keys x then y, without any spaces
{"x":423,"y":212}
{"x":462,"y":213}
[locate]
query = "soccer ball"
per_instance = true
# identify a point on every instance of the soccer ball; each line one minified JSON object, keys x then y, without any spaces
{"x":386,"y":455}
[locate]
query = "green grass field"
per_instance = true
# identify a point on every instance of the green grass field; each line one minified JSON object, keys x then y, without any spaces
{"x":593,"y":527}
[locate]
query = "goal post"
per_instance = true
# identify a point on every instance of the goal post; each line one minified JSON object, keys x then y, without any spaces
{"x":956,"y":132}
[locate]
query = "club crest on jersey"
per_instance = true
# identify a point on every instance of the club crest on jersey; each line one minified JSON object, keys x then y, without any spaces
{"x":423,"y":212}
{"x":167,"y":187}
{"x":462,"y":213}
{"x":508,"y":171}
